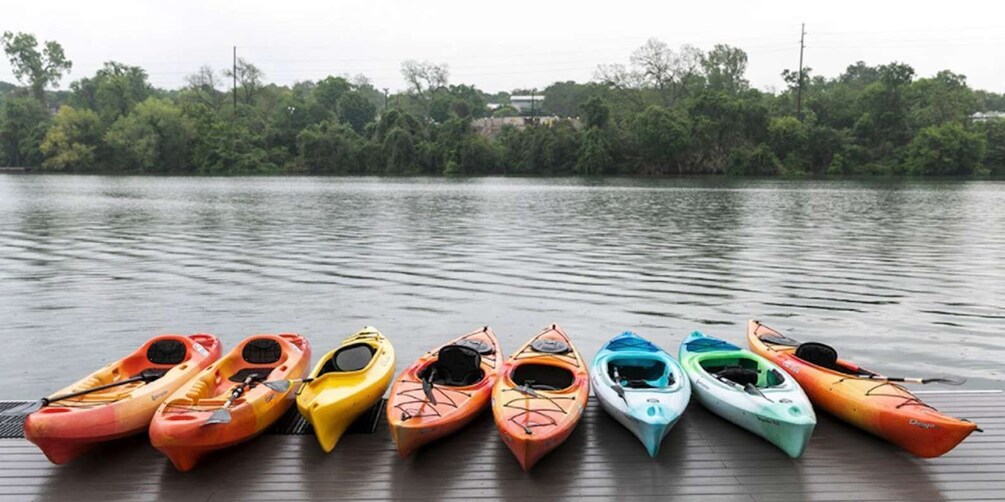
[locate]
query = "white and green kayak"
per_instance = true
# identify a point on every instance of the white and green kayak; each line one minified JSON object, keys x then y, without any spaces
{"x":749,"y":391}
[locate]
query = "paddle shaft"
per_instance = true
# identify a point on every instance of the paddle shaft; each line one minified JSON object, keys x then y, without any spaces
{"x":237,"y":392}
{"x":137,"y":378}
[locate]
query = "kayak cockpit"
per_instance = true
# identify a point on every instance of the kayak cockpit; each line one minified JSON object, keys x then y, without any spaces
{"x":542,"y":377}
{"x":639,"y":372}
{"x":742,"y":371}
{"x":455,"y":366}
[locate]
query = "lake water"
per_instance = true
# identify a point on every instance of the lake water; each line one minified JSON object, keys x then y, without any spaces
{"x":905,"y":277}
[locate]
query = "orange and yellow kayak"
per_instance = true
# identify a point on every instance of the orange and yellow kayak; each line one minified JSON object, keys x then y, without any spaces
{"x":65,"y":429}
{"x":861,"y":397}
{"x":181,"y":428}
{"x":540,"y":396}
{"x":443,"y":391}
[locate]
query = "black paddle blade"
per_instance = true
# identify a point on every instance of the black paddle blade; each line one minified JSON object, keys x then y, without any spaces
{"x":620,"y":391}
{"x":221,"y":416}
{"x":779,"y":340}
{"x":427,"y":388}
{"x":24,"y":409}
{"x":948,"y":380}
{"x":277,"y":385}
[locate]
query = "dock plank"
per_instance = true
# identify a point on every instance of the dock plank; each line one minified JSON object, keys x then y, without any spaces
{"x":704,"y":456}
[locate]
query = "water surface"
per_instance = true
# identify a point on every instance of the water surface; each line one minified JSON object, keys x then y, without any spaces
{"x":904,"y":276}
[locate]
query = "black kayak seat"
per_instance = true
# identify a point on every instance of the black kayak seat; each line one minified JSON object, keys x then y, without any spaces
{"x":456,"y":366}
{"x":737,"y":374}
{"x":166,"y":352}
{"x":819,"y":354}
{"x":262,"y":351}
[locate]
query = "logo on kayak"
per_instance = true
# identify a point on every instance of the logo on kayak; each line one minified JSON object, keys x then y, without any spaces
{"x":791,"y":365}
{"x":918,"y":423}
{"x":158,"y":395}
{"x":652,"y":400}
{"x":200,"y":349}
{"x":768,"y":420}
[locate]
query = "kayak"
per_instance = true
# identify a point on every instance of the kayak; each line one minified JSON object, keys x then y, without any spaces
{"x":65,"y":429}
{"x":345,"y":383}
{"x":540,"y":395}
{"x":858,"y":397}
{"x":748,"y":390}
{"x":641,"y":386}
{"x":189,"y":424}
{"x":443,"y":391}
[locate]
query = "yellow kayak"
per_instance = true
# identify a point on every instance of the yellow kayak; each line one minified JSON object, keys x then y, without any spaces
{"x":345,"y":383}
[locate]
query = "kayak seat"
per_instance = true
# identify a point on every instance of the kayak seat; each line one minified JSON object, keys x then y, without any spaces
{"x":542,"y":377}
{"x":455,"y":366}
{"x":349,"y":358}
{"x":256,"y":374}
{"x":819,"y":354}
{"x":640,"y":373}
{"x":262,"y":351}
{"x":166,"y":352}
{"x":737,"y":374}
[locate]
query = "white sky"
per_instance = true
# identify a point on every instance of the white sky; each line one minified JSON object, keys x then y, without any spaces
{"x":505,"y":45}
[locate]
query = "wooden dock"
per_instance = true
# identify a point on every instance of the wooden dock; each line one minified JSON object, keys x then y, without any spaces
{"x":703,"y":458}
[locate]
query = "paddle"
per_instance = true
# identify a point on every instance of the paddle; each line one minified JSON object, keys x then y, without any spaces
{"x":32,"y":407}
{"x":754,"y":391}
{"x":222,"y":415}
{"x":526,"y":389}
{"x":618,"y":389}
{"x":946,"y":380}
{"x":427,"y":386}
{"x":284,"y":385}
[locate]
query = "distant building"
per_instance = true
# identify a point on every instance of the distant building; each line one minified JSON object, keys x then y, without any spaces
{"x":986,"y":116}
{"x":492,"y":126}
{"x":526,"y":104}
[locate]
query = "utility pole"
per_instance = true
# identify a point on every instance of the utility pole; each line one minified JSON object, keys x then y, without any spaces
{"x":234,"y":74}
{"x":799,"y":91}
{"x":385,"y":98}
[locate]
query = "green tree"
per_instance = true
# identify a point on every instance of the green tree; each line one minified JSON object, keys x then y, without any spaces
{"x":155,"y":136}
{"x":948,"y":149}
{"x":401,"y":154}
{"x":596,"y":112}
{"x":32,"y":67}
{"x":327,"y":92}
{"x":662,"y":138}
{"x":23,"y":122}
{"x":725,"y":68}
{"x":994,"y":156}
{"x":789,"y":138}
{"x":355,"y":110}
{"x":72,"y":140}
{"x":330,"y":148}
{"x":113,"y":91}
{"x":594,"y":153}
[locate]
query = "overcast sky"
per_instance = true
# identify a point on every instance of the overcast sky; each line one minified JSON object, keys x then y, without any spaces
{"x":513,"y":44}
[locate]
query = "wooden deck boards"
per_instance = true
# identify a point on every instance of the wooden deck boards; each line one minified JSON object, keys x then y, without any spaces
{"x":704,"y":457}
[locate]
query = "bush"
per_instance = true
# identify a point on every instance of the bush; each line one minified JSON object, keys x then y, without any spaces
{"x":948,"y":149}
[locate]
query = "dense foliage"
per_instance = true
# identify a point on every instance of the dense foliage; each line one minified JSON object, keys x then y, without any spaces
{"x":669,"y":111}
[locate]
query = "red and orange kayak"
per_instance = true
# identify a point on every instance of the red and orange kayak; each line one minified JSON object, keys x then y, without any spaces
{"x":856,"y":396}
{"x":540,"y":396}
{"x":181,"y":428}
{"x":65,"y":429}
{"x":443,"y":391}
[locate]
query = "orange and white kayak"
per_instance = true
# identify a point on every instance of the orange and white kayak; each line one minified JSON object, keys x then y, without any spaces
{"x":65,"y":429}
{"x":443,"y":391}
{"x":540,"y":397}
{"x":861,"y":397}
{"x":182,"y":429}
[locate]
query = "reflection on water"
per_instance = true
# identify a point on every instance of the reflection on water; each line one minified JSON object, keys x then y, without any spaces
{"x":904,"y":276}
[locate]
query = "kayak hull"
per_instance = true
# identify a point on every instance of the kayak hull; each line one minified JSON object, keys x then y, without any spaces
{"x":651,"y":408}
{"x":778,"y":411}
{"x":884,"y":409}
{"x":180,"y":430}
{"x":336,"y":398}
{"x":532,"y":421}
{"x":415,"y":421}
{"x":67,"y":429}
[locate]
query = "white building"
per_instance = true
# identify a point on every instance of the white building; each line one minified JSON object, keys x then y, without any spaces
{"x":986,"y":116}
{"x":527,"y":104}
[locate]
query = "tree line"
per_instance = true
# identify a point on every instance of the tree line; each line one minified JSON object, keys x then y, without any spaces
{"x":669,"y":111}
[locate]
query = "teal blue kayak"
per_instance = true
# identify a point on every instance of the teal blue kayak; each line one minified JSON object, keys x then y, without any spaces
{"x":749,"y":391}
{"x":641,"y":386}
